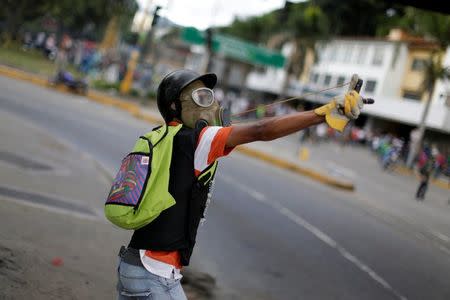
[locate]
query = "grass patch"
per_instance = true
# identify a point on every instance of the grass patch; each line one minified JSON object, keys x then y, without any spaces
{"x":31,"y":61}
{"x":106,"y":86}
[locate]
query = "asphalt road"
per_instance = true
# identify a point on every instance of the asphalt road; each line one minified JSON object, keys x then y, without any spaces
{"x":269,"y":234}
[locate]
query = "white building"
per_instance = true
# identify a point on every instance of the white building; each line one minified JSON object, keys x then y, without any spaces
{"x":442,"y":89}
{"x":392,"y":70}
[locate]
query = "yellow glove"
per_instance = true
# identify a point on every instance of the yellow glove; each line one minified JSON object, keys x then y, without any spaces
{"x":341,"y":109}
{"x":353,"y":103}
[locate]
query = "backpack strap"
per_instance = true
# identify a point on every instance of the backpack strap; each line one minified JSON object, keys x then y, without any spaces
{"x":207,"y":175}
{"x":150,"y":145}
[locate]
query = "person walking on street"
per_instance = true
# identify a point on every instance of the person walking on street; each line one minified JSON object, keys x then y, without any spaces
{"x":149,"y":267}
{"x":425,"y":173}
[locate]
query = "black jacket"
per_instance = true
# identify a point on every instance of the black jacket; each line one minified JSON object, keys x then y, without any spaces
{"x":176,"y":227}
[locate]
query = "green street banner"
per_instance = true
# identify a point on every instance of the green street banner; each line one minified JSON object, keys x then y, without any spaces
{"x":236,"y":48}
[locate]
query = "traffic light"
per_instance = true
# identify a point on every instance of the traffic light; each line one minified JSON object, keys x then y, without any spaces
{"x":156,"y":16}
{"x":209,"y":39}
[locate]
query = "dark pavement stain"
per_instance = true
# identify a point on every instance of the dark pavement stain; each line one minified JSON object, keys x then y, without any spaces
{"x":44,"y":200}
{"x":23,"y":162}
{"x":9,"y":269}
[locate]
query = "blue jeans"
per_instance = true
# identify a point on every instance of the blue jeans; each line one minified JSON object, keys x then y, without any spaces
{"x":136,"y":283}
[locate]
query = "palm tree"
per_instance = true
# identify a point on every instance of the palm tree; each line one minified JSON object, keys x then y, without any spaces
{"x":307,"y":24}
{"x":433,"y":72}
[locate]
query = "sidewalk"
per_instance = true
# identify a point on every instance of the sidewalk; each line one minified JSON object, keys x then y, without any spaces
{"x":351,"y":162}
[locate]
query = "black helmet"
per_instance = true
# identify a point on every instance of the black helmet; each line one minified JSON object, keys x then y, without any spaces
{"x":169,"y":90}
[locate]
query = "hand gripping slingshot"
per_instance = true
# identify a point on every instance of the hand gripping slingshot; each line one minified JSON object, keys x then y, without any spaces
{"x":354,"y":84}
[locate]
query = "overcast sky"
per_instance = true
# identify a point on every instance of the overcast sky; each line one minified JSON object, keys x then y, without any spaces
{"x":206,"y":13}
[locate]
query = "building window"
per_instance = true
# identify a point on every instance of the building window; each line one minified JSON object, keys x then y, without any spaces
{"x":260,"y":70}
{"x":340,"y":80}
{"x":412,"y":95}
{"x":314,"y":77}
{"x":340,"y":53}
{"x":327,"y":80}
{"x":370,"y":86}
{"x":418,"y":64}
{"x":447,"y":99}
{"x":324,"y":53}
{"x":361,"y":58}
{"x":378,"y":54}
{"x":332,"y":53}
{"x":348,"y":53}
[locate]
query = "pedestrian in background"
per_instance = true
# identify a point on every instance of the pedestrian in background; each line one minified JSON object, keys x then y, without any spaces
{"x":425,"y":172}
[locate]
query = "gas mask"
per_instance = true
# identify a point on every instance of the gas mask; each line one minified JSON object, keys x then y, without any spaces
{"x":200,"y":109}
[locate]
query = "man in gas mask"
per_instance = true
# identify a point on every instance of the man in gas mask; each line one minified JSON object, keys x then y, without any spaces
{"x":150,"y":266}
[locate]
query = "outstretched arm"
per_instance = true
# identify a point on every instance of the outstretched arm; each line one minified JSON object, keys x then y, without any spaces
{"x":336,"y":113}
{"x":272,"y":128}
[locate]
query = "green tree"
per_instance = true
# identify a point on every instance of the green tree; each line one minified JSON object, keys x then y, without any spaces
{"x":354,"y":17}
{"x":255,"y":29}
{"x":426,"y":23}
{"x":14,"y":13}
{"x":307,"y":24}
{"x":73,"y":16}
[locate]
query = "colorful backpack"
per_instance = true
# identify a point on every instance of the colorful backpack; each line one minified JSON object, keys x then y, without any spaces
{"x":140,"y":190}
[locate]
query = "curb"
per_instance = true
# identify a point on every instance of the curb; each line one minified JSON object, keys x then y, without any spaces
{"x":135,"y":110}
{"x":21,"y":75}
{"x":132,"y":108}
{"x":287,"y":165}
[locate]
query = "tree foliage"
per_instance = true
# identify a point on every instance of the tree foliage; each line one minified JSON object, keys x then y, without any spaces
{"x":354,"y":17}
{"x":256,"y":29}
{"x":73,"y":16}
{"x":426,"y":23}
{"x":304,"y":23}
{"x":76,"y":14}
{"x":318,"y":18}
{"x":307,"y":23}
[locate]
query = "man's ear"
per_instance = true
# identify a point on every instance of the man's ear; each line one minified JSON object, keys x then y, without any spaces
{"x":173,"y":106}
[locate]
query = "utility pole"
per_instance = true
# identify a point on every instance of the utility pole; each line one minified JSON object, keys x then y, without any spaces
{"x":136,"y":57}
{"x":146,"y":46}
{"x":433,"y":72}
{"x":282,"y":17}
{"x":209,"y":50}
{"x":414,"y":149}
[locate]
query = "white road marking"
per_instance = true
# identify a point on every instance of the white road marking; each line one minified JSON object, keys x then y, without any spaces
{"x":58,"y":210}
{"x":441,"y":236}
{"x":341,"y":170}
{"x":316,"y":232}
